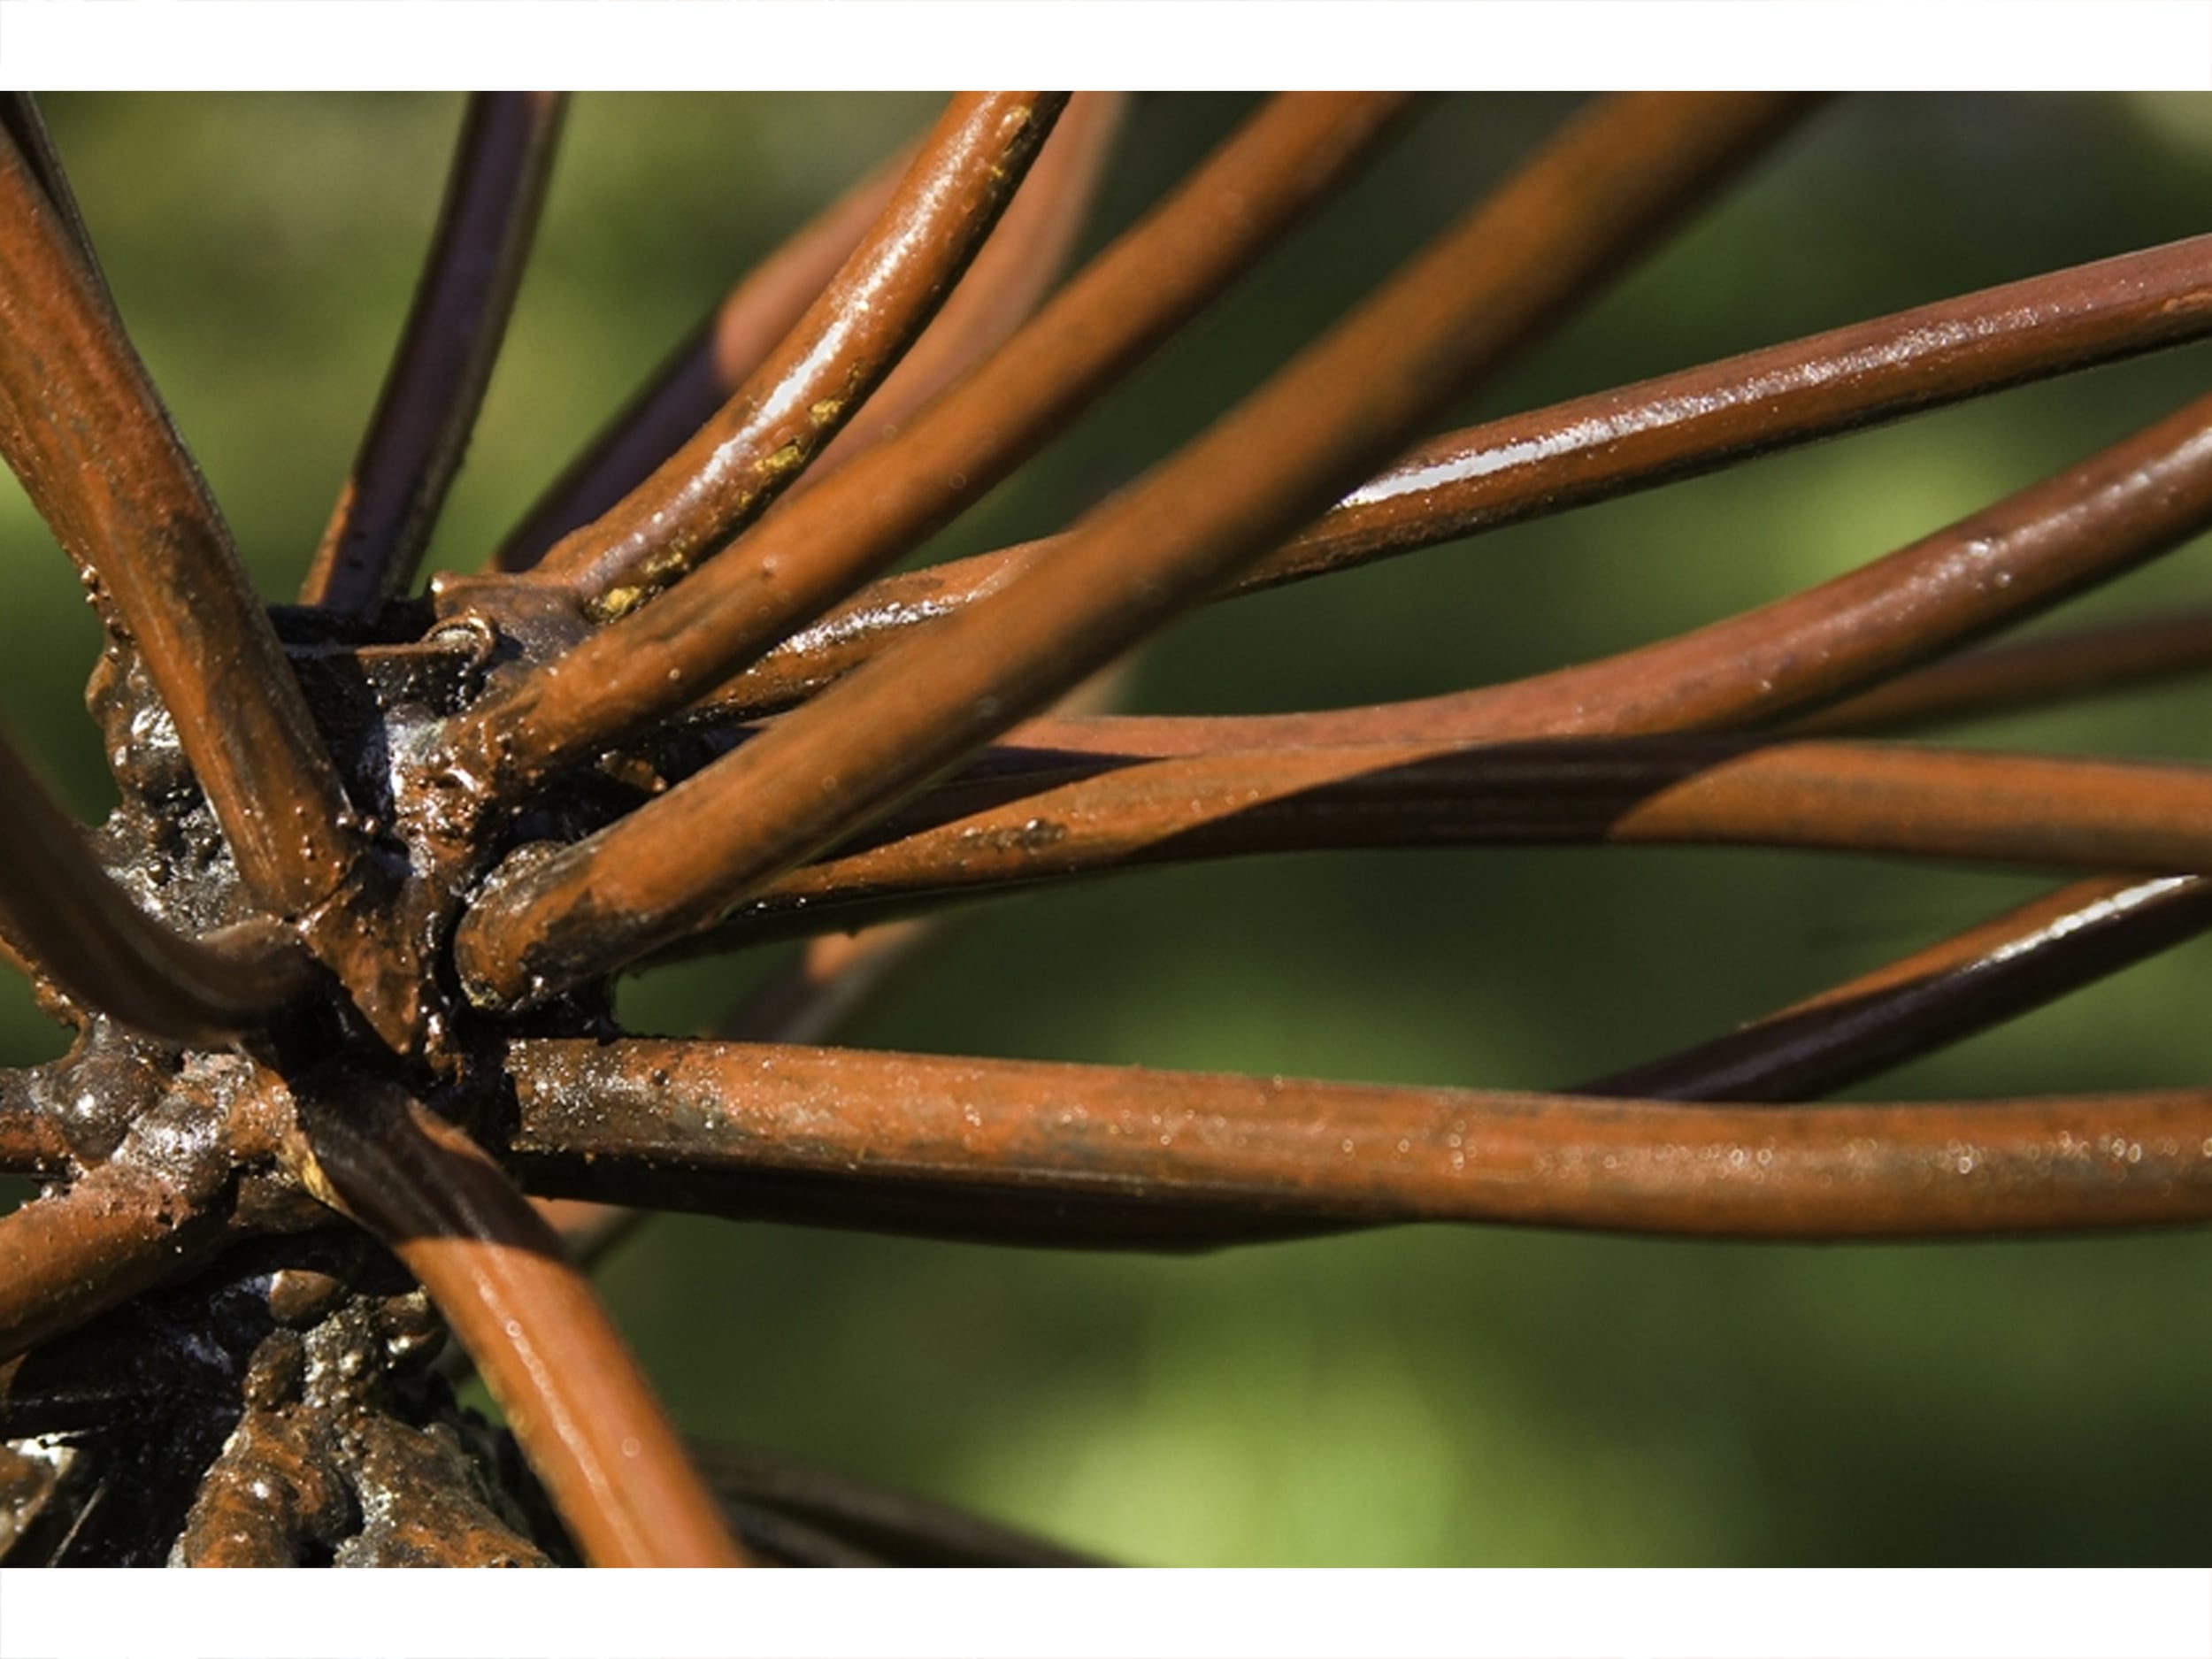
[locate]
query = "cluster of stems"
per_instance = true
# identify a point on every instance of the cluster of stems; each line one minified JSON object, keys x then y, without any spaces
{"x":879,"y":747}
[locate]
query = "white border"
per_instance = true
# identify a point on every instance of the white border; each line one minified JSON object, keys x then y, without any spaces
{"x":1374,"y":1615}
{"x":1165,"y":44}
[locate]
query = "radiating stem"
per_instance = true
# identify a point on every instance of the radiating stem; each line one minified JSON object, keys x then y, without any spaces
{"x":82,"y":427}
{"x":25,"y":127}
{"x":1967,"y":983}
{"x":435,"y":386}
{"x":839,"y":351}
{"x":1264,"y":180}
{"x":585,"y":1417}
{"x":85,"y":935}
{"x":2020,"y":674}
{"x":691,"y":1123}
{"x":2096,"y":520}
{"x":1596,"y":193}
{"x":1596,"y":448}
{"x":811,"y":1001}
{"x":704,"y":372}
{"x":1010,"y":277}
{"x":1068,"y":820}
{"x":74,"y":1254}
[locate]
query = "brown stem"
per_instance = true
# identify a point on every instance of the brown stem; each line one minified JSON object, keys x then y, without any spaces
{"x":1010,"y":277}
{"x":2019,"y":961}
{"x":125,"y":1226}
{"x":2096,"y":520}
{"x":810,"y":1001}
{"x":1852,"y":797}
{"x":693,"y":1123}
{"x":25,"y":126}
{"x":585,"y":1417}
{"x":1600,"y":190}
{"x":1610,"y":444}
{"x":1285,"y":161}
{"x":704,"y":372}
{"x":88,"y":937}
{"x":2020,"y":674}
{"x":435,"y":386}
{"x":82,"y":427}
{"x":809,"y":387}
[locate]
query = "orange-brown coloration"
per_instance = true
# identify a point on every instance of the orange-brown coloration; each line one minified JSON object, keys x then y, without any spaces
{"x":1600,"y":190}
{"x":802,"y":393}
{"x":270,"y":1064}
{"x":1611,"y":443}
{"x":736,"y":1125}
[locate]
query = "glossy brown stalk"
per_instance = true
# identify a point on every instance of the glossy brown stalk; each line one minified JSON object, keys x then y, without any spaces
{"x":25,"y":127}
{"x":1281,"y":164}
{"x":851,"y":338}
{"x":1311,"y":1152}
{"x":1968,"y":983}
{"x":584,"y":1417}
{"x":811,"y":1000}
{"x":1851,"y":797}
{"x":1615,"y":442}
{"x":2096,"y":520}
{"x":1025,"y":257}
{"x":1617,"y":174}
{"x":97,"y":947}
{"x":2016,"y":675}
{"x":704,"y":371}
{"x":120,"y":1229}
{"x":375,"y":538}
{"x":84,"y":430}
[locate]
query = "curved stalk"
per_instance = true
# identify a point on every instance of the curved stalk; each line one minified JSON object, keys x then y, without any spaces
{"x":584,"y":1417}
{"x":1617,"y":442}
{"x":1967,"y":983}
{"x":87,"y":936}
{"x":1009,"y":279}
{"x":810,"y":386}
{"x":83,"y":428}
{"x":2020,"y":674}
{"x":1043,"y":825}
{"x":123,"y":1227}
{"x":2096,"y":520}
{"x":1284,"y":162}
{"x":25,"y":127}
{"x":1604,"y":188}
{"x":428,"y":407}
{"x":704,"y":372}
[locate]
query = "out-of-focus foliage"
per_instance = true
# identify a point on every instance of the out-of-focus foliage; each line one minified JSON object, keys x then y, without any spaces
{"x":1420,"y":1397}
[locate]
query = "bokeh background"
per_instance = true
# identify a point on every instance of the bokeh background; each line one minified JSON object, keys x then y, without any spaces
{"x":1419,"y":1396}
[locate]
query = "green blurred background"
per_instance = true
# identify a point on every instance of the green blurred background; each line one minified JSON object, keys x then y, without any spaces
{"x":1419,"y":1396}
